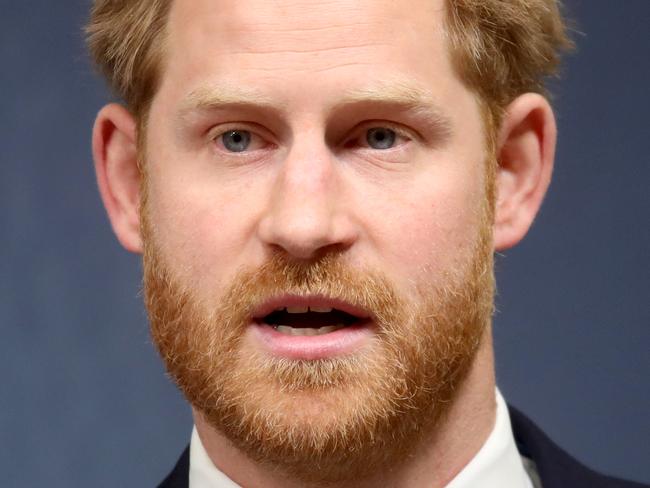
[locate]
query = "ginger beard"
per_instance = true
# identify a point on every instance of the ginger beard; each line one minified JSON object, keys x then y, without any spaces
{"x":334,"y":419}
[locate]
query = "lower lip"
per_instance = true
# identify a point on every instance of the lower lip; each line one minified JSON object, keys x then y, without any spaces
{"x":338,"y":343}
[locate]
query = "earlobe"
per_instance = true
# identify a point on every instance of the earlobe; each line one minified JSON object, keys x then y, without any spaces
{"x":525,"y":152}
{"x":118,"y":177}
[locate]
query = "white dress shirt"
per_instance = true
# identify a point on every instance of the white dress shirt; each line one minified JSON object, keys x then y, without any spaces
{"x":497,"y":464}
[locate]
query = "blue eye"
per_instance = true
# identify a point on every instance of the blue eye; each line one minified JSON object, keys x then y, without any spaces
{"x":380,"y":138}
{"x":236,"y":140}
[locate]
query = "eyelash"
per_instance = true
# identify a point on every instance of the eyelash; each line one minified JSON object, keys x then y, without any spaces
{"x":361,"y":132}
{"x":403,"y":136}
{"x":217,"y":134}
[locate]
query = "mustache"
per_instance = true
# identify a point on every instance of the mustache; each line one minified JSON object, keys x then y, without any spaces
{"x":329,"y":277}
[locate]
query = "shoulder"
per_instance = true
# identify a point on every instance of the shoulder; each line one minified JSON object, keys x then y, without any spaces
{"x":555,"y":466}
{"x":180,"y":475}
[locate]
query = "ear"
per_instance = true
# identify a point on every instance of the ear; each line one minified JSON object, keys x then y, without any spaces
{"x":118,"y":176}
{"x":525,"y":151}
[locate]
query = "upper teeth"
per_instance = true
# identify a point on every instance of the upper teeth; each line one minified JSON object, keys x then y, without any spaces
{"x":297,"y":309}
{"x":320,"y":309}
{"x":306,"y":309}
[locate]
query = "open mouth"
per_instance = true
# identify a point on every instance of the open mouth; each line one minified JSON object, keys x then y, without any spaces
{"x":310,"y":319}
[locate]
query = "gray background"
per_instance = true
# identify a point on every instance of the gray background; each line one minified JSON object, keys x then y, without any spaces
{"x":83,"y":398}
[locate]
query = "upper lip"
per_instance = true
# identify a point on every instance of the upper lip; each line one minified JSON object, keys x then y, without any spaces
{"x":319,"y":301}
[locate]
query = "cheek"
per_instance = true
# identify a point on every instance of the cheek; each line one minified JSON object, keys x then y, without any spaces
{"x":202,"y":221}
{"x":200,"y":232}
{"x":431,"y":228}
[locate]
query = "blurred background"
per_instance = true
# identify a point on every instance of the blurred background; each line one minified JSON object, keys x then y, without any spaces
{"x":84,"y":400}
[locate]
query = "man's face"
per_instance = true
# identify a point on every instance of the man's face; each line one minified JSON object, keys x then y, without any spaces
{"x":322,"y":155}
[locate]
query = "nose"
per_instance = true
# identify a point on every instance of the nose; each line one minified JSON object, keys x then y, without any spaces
{"x":307,"y":213}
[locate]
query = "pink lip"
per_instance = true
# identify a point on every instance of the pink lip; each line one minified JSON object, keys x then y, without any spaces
{"x":339,"y":343}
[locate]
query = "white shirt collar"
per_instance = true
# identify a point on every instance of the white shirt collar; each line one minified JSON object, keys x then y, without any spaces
{"x":496,"y":465}
{"x":203,"y":472}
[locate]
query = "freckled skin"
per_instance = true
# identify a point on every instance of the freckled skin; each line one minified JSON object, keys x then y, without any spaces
{"x":404,"y":218}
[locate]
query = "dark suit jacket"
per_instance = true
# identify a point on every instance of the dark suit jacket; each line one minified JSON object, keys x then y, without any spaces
{"x":555,"y":467}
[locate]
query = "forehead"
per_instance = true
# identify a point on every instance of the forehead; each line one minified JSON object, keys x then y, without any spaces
{"x":317,"y":24}
{"x":324,"y":43}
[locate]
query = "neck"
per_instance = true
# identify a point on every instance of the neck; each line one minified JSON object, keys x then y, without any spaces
{"x":445,"y":452}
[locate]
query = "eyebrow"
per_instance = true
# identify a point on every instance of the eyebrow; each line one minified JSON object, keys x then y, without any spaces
{"x":402,"y":95}
{"x":390,"y":91}
{"x":207,"y":98}
{"x":397,"y":94}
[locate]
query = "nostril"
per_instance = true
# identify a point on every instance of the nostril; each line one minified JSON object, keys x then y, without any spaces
{"x":299,"y":236}
{"x":304,"y":250}
{"x":302,"y":223}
